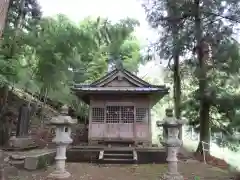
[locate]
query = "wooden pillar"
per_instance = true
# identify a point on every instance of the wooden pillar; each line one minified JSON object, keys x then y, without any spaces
{"x":134,"y":126}
{"x":89,"y":122}
{"x":149,"y":125}
{"x":105,"y":120}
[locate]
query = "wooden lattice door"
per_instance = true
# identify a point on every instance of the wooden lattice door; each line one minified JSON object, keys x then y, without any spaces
{"x":126,"y":122}
{"x":119,"y":122}
{"x":112,"y":122}
{"x":97,"y":125}
{"x":142,"y":123}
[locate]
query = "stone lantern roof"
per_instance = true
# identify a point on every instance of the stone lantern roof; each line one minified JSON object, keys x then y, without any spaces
{"x":63,"y":118}
{"x":170,"y":120}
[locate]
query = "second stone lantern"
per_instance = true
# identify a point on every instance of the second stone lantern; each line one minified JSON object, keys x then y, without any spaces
{"x":63,"y":124}
{"x":171,"y":127}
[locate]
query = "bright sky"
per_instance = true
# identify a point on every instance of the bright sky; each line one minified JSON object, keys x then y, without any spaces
{"x":76,"y":10}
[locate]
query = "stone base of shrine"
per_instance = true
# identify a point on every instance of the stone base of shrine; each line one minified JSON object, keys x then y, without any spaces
{"x":169,"y":176}
{"x":20,"y":143}
{"x":145,"y":155}
{"x":58,"y":175}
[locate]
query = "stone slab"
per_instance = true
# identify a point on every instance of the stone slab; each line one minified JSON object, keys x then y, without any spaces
{"x":17,"y":157}
{"x":21,"y":142}
{"x":39,"y":161}
{"x":10,"y":171}
{"x":31,"y":163}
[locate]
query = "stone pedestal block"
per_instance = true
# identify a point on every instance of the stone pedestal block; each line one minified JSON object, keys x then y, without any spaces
{"x":170,"y":176}
{"x":57,"y":175}
{"x":21,"y":142}
{"x":39,"y":161}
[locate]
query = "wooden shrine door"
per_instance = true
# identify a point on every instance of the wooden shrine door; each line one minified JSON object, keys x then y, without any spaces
{"x":119,"y":122}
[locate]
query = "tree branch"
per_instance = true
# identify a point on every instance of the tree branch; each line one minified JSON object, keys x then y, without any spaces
{"x":230,"y":18}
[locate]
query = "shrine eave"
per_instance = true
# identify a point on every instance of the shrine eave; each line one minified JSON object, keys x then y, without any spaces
{"x":156,"y":92}
{"x":83,"y":89}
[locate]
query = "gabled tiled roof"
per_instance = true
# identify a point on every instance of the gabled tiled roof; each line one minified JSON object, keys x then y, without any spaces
{"x":141,"y":85}
{"x":136,"y":86}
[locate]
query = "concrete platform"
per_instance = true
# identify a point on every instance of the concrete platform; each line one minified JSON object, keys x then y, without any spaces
{"x":146,"y":155}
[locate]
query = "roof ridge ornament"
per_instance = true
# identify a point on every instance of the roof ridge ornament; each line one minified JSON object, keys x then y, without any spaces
{"x":119,"y":64}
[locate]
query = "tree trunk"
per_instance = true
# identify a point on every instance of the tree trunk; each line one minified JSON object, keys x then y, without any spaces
{"x":4,"y":6}
{"x":176,"y":53}
{"x":4,"y":133}
{"x":2,"y":175}
{"x":43,"y":106}
{"x":4,"y":90}
{"x":204,"y":105}
{"x":4,"y":124}
{"x":3,"y":97}
{"x":177,"y":88}
{"x":17,"y":26}
{"x":176,"y":71}
{"x":204,"y":129}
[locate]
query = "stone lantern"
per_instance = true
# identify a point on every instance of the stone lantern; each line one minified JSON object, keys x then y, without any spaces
{"x":171,"y":127}
{"x":62,"y":139}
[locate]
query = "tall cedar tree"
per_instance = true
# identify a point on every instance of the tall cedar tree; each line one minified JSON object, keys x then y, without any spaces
{"x":201,"y":24}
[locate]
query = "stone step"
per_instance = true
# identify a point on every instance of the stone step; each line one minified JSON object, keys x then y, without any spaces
{"x":129,"y":155}
{"x":111,"y":159}
{"x":117,"y":156}
{"x":117,"y":161}
{"x":118,"y":151}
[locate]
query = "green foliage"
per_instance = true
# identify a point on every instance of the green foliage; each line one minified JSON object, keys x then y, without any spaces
{"x":43,"y":162}
{"x":47,"y":55}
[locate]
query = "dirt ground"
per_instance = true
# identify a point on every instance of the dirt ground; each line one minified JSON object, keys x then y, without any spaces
{"x":85,"y":171}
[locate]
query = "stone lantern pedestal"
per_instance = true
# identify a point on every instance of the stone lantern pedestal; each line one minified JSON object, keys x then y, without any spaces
{"x":172,"y":143}
{"x":62,"y":139}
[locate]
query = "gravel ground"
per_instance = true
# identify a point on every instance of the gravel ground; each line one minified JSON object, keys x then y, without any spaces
{"x":85,"y":171}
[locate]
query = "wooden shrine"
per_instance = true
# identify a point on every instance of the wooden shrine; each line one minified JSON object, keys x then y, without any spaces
{"x":119,"y":108}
